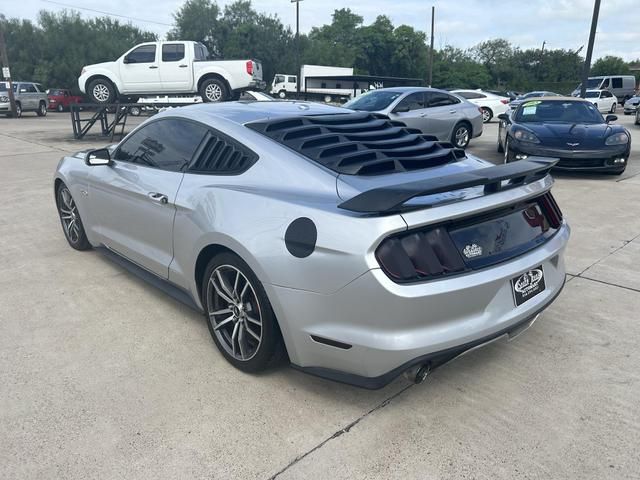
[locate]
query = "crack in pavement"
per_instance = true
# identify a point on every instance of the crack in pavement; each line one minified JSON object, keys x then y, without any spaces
{"x":626,"y":242}
{"x":342,"y":431}
{"x":34,"y":143}
{"x":610,"y":284}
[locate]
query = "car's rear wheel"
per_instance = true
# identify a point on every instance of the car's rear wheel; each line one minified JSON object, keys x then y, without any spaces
{"x":487,"y":114}
{"x":613,"y":107}
{"x":637,"y":122}
{"x":239,"y":314}
{"x":42,"y":109}
{"x":70,"y":219}
{"x":461,"y":135}
{"x":213,"y":90}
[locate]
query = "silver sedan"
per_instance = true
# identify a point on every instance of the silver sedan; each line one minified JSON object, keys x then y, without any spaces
{"x":435,"y":112}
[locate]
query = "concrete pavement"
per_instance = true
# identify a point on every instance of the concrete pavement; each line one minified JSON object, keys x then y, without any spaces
{"x":102,"y":376}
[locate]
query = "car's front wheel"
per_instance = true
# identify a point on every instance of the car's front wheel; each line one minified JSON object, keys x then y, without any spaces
{"x":613,"y":107}
{"x":60,"y":108}
{"x":42,"y":109}
{"x":508,"y":153}
{"x":102,"y":91}
{"x":461,"y":135}
{"x":18,"y":110}
{"x":70,"y":219}
{"x":240,"y":317}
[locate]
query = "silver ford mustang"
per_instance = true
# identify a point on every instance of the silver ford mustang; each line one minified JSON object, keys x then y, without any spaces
{"x":360,"y":248}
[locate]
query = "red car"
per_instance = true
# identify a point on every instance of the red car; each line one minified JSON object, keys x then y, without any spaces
{"x":61,"y":99}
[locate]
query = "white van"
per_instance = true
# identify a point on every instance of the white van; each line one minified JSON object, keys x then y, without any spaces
{"x":622,"y":86}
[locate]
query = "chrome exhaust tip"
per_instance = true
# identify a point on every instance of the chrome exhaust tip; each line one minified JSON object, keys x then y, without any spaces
{"x":418,"y":374}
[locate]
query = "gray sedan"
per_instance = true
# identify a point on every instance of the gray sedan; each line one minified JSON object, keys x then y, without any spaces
{"x":432,"y":111}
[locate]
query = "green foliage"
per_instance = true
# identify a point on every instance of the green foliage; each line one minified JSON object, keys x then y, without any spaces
{"x":197,"y":20}
{"x":610,"y":65}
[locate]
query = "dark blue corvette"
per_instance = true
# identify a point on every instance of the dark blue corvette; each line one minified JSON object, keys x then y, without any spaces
{"x":567,"y":128}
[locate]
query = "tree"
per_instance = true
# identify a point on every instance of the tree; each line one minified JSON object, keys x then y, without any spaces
{"x":610,"y":65}
{"x":197,"y":20}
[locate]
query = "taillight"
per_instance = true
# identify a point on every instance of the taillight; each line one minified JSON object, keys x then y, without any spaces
{"x":419,"y":255}
{"x":249,"y":67}
{"x":551,"y":209}
{"x":504,"y":101}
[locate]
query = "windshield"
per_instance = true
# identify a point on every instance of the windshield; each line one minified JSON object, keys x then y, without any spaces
{"x":592,"y":95}
{"x":56,"y":92}
{"x":550,"y":111}
{"x":373,"y":101}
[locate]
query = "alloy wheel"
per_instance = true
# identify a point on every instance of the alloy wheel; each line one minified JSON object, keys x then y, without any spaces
{"x":213,"y":92}
{"x":486,"y":115}
{"x":69,"y":215}
{"x":235,"y":313}
{"x":462,"y":136}
{"x":101,"y":92}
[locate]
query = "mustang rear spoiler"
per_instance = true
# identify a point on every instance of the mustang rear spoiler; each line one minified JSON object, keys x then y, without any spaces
{"x":392,"y":198}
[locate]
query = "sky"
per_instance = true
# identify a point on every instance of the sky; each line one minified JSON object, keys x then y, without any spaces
{"x":461,"y":23}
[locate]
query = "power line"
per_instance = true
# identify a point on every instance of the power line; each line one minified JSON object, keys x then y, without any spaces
{"x":107,"y":13}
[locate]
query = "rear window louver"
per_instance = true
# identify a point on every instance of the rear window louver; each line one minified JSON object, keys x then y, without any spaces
{"x":223,"y":157}
{"x":359,"y":143}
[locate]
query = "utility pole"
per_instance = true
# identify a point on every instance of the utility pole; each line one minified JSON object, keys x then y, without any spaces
{"x":298,"y":66}
{"x":544,"y":42}
{"x":6,"y":72}
{"x":433,"y":14}
{"x":592,"y":38}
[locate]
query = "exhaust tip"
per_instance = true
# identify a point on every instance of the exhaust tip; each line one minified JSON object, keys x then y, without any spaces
{"x":418,"y":374}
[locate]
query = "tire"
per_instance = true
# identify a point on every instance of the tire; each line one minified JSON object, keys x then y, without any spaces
{"x":327,"y":99}
{"x":508,"y":154}
{"x":461,"y":135}
{"x":70,"y":219}
{"x":101,"y":91}
{"x":613,"y":107}
{"x":500,"y":147}
{"x":135,"y":111}
{"x":243,"y":327}
{"x":18,"y":110}
{"x":60,"y":108}
{"x":42,"y":109}
{"x":282,"y":94}
{"x":487,"y":115}
{"x":637,"y":121}
{"x":213,"y":90}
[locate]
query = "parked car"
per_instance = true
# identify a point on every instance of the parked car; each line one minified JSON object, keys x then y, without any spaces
{"x":568,"y":128}
{"x":252,"y":95}
{"x":631,"y":105}
{"x":536,"y":94}
{"x":387,"y":254}
{"x":621,"y":86}
{"x":166,"y":68}
{"x":491,"y":105}
{"x":510,"y":94}
{"x":61,"y":99}
{"x":604,"y":100}
{"x":434,"y":112}
{"x":29,"y":97}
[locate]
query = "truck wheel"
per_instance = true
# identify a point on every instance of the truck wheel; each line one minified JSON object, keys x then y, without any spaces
{"x":60,"y":108}
{"x":102,"y":91}
{"x":135,"y":111}
{"x":282,"y":94}
{"x":42,"y":109}
{"x":327,"y":98}
{"x":213,"y":90}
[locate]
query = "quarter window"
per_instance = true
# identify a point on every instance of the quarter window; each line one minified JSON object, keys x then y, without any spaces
{"x":172,"y":52}
{"x":165,"y":144}
{"x":439,"y":99}
{"x":143,"y":54}
{"x":470,"y":95}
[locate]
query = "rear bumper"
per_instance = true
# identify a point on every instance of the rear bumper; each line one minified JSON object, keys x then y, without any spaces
{"x":253,"y":85}
{"x":383,"y":328}
{"x":601,"y":160}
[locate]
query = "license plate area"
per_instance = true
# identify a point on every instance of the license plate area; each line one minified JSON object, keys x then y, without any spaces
{"x":527,"y":285}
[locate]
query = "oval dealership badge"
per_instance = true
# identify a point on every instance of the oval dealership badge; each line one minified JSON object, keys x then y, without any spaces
{"x":528,"y":281}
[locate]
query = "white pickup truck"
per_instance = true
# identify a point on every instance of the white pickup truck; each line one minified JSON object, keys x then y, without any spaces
{"x":168,"y":68}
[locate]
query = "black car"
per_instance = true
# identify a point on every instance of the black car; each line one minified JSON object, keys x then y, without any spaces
{"x":568,"y":128}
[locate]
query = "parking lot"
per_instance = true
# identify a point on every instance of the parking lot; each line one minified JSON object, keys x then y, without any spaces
{"x":103,"y":376}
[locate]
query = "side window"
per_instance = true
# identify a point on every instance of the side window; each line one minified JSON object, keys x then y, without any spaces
{"x":441,"y":99}
{"x":39,"y":88}
{"x":279,"y":79}
{"x":414,"y":101}
{"x":605,"y":83}
{"x":167,"y":144}
{"x":143,"y":54}
{"x":616,"y":82}
{"x":29,"y":87}
{"x":172,"y":52}
{"x":292,"y":79}
{"x":469,"y":95}
{"x":221,"y":155}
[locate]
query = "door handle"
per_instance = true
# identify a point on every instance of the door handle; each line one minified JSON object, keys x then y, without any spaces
{"x":153,"y":66}
{"x":452,"y":111}
{"x":158,"y":197}
{"x":423,"y":114}
{"x":183,"y":66}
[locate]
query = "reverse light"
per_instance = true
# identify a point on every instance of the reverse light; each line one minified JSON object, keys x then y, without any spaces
{"x":617,"y":139}
{"x":525,"y":136}
{"x":249,"y":67}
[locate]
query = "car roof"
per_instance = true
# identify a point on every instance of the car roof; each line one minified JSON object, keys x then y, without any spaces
{"x":249,"y":111}
{"x":555,"y":99}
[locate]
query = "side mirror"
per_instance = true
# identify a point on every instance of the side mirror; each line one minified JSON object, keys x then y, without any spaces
{"x":504,"y":117}
{"x":611,"y":118}
{"x":98,"y":157}
{"x":127,"y":60}
{"x":401,"y":109}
